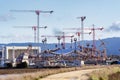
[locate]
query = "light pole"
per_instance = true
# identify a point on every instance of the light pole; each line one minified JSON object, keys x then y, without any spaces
{"x":3,"y":55}
{"x":71,"y":42}
{"x":75,"y":40}
{"x":59,"y":40}
{"x":44,"y":41}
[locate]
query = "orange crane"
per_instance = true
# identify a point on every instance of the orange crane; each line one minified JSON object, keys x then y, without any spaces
{"x":33,"y":28}
{"x":37,"y":13}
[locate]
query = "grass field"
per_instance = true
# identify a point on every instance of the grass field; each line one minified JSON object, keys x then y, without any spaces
{"x":108,"y":73}
{"x":36,"y":74}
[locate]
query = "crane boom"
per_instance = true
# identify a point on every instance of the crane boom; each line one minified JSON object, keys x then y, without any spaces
{"x":37,"y":13}
{"x":33,"y":28}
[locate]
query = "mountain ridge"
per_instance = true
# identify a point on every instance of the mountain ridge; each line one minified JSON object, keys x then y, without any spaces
{"x":111,"y":44}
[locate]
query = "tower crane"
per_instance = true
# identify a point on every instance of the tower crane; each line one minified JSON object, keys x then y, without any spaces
{"x":59,"y":38}
{"x":82,"y":26}
{"x":37,"y":13}
{"x":63,"y":45}
{"x":34,"y":28}
{"x":65,"y":36}
{"x":78,"y":33}
{"x":104,"y":49}
{"x":93,"y":32}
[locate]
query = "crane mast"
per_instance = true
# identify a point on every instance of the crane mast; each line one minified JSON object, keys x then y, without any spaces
{"x":34,"y":28}
{"x":37,"y":13}
{"x":93,"y":31}
{"x":59,"y":38}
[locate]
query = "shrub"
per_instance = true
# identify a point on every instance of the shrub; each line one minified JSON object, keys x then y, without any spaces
{"x":106,"y":74}
{"x":115,"y":76}
{"x":8,"y":65}
{"x":22,"y":65}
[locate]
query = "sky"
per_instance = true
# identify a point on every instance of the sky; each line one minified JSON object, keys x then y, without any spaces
{"x":101,"y":13}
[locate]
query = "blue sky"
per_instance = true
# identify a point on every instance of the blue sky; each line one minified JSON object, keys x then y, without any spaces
{"x":102,"y":13}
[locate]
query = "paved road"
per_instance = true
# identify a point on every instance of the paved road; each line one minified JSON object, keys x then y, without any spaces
{"x":74,"y":75}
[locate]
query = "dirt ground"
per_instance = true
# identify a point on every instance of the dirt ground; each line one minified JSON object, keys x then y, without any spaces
{"x":74,"y":75}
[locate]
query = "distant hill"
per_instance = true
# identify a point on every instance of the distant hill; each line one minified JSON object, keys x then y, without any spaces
{"x":112,"y":45}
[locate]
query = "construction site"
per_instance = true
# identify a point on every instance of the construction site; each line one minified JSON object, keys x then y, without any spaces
{"x":40,"y":56}
{"x":59,"y":40}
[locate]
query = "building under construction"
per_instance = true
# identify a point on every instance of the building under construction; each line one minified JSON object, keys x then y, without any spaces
{"x":11,"y":53}
{"x":60,"y":55}
{"x":51,"y":58}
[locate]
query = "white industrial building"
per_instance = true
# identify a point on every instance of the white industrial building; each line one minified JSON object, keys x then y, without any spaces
{"x":12,"y":52}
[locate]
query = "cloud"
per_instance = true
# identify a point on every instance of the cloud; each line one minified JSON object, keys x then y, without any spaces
{"x":4,"y":36}
{"x":114,"y":27}
{"x":57,"y":32}
{"x":16,"y":38}
{"x":6,"y":17}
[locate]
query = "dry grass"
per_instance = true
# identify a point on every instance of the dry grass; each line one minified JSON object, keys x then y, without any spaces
{"x":115,"y":76}
{"x":37,"y":74}
{"x":103,"y":74}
